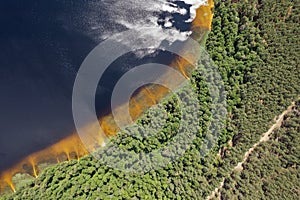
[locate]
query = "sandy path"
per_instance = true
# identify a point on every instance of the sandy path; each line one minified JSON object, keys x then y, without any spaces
{"x":265,"y":137}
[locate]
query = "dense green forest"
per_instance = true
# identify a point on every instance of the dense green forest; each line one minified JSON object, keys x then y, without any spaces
{"x":255,"y":45}
{"x":272,"y":170}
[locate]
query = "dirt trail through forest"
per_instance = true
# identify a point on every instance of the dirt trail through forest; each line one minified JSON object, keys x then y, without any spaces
{"x":265,"y":137}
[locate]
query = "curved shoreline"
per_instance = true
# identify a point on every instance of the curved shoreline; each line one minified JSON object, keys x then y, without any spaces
{"x":72,"y":147}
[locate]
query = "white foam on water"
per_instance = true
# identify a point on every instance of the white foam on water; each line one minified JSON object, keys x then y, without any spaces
{"x":195,"y":5}
{"x":135,"y":14}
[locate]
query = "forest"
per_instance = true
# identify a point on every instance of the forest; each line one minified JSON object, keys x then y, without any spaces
{"x":255,"y":46}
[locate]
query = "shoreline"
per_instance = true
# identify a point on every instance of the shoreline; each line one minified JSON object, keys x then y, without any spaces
{"x":72,"y":147}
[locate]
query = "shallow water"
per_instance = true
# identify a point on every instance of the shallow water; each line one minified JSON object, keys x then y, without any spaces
{"x":42,"y":47}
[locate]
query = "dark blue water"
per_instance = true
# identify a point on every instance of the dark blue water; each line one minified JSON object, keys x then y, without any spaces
{"x":39,"y":58}
{"x":42,"y":45}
